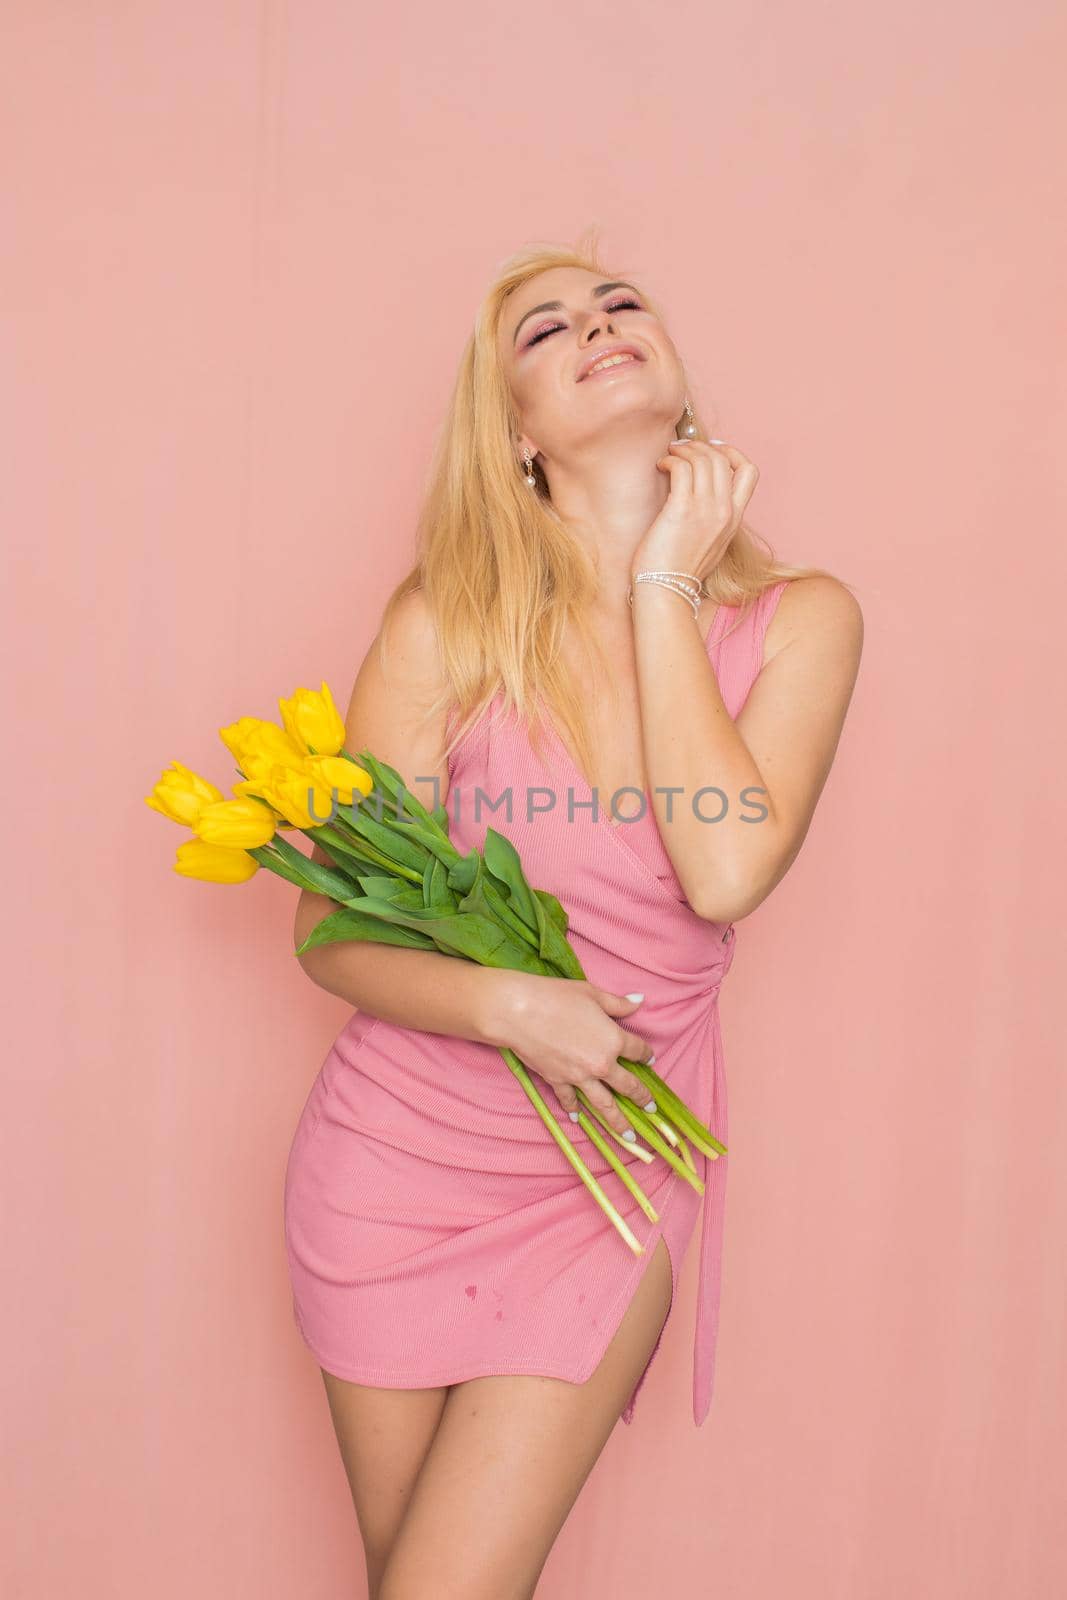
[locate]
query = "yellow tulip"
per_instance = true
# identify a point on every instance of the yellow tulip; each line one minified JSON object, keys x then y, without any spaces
{"x":312,"y":720}
{"x":261,"y":789}
{"x":286,"y":789}
{"x":239,"y":824}
{"x":214,"y":863}
{"x":181,"y":794}
{"x":236,"y":735}
{"x":255,"y":743}
{"x":338,"y":773}
{"x":260,"y":786}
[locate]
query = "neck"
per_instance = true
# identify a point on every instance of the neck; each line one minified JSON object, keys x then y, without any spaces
{"x":609,"y":498}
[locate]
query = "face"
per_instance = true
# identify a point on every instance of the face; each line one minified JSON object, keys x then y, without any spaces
{"x":548,"y":351}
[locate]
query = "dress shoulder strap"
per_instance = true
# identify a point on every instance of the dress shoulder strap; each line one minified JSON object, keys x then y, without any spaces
{"x":736,"y":644}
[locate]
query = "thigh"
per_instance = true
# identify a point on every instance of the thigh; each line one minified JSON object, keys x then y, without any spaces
{"x":508,"y":1461}
{"x":383,"y":1435}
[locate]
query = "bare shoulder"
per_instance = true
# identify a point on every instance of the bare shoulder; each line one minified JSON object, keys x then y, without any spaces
{"x":793,"y":718}
{"x":822,"y":613}
{"x":405,"y":649}
{"x":393,"y":710}
{"x":390,"y":709}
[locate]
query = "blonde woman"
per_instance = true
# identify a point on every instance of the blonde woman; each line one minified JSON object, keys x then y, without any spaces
{"x":648,"y":705}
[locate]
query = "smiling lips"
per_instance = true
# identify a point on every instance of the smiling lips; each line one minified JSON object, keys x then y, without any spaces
{"x":615,"y":356}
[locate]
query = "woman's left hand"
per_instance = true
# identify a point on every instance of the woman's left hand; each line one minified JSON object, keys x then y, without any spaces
{"x":711,"y":484}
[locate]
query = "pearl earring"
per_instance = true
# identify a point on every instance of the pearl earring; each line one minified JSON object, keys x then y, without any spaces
{"x":690,"y":427}
{"x":527,"y":461}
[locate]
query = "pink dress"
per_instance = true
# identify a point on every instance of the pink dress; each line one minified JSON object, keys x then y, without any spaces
{"x":434,"y":1230}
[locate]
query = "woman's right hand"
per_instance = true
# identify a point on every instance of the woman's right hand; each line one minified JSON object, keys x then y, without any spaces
{"x":564,"y":1029}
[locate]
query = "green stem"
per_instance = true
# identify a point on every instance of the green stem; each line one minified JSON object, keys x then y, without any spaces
{"x":664,"y":1127}
{"x":638,"y":1150}
{"x":592,"y":1132}
{"x":674,"y":1137}
{"x":570,"y":1152}
{"x":644,"y":1126}
{"x":678,"y":1111}
{"x":687,"y":1154}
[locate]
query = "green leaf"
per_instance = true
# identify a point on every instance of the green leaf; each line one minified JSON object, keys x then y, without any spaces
{"x":392,"y":839}
{"x":552,"y":943}
{"x":395,"y":890}
{"x":349,"y":925}
{"x":462,"y":933}
{"x":462,"y":873}
{"x":486,"y":899}
{"x":476,"y":899}
{"x":356,"y":852}
{"x":273,"y":862}
{"x":540,"y":911}
{"x":438,"y":845}
{"x":387,"y":779}
{"x":435,"y":889}
{"x":502,"y":859}
{"x":554,"y":909}
{"x":309,"y":874}
{"x":350,"y":854}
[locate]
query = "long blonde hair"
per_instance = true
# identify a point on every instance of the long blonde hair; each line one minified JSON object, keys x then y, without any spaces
{"x":501,"y":573}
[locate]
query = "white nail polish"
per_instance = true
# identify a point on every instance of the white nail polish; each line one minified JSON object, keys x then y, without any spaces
{"x":651,"y":1106}
{"x":573,"y":1115}
{"x":635,"y":997}
{"x":629,"y":1134}
{"x":650,"y":1060}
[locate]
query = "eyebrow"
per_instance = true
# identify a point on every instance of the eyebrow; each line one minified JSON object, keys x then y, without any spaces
{"x":557,"y":305}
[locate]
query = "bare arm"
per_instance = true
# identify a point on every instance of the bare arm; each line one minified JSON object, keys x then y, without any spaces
{"x":386,"y":714}
{"x":777,"y":754}
{"x":414,"y":988}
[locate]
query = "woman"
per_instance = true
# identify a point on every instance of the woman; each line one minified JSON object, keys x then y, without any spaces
{"x":479,"y":1323}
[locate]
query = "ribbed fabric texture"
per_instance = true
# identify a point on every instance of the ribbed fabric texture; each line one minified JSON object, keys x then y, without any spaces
{"x":434,"y":1230}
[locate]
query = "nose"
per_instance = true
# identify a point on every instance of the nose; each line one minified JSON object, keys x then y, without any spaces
{"x":594,"y":328}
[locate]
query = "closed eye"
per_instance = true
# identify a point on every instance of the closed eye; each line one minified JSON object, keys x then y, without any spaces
{"x":554,"y":327}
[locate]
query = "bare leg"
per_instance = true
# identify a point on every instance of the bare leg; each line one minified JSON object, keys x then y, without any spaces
{"x":507,"y":1463}
{"x":384,"y":1435}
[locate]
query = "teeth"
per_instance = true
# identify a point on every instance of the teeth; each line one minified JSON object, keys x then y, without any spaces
{"x":609,"y":361}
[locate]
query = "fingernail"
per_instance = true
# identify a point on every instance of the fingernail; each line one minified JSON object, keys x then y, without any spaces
{"x":651,"y":1106}
{"x":629,"y":1134}
{"x":573,"y":1115}
{"x":635,"y":997}
{"x":650,"y":1060}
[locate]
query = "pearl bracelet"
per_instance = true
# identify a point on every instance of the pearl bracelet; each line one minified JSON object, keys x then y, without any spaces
{"x":686,"y":584}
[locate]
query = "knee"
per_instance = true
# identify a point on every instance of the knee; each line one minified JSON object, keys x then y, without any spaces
{"x":396,"y":1585}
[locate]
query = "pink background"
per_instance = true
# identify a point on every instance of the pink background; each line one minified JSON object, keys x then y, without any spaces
{"x":249,"y":241}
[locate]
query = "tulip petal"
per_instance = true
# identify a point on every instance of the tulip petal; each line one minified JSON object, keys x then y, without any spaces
{"x":214,"y":863}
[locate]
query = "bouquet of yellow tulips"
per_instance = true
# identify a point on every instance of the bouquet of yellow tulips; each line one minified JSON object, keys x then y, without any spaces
{"x":398,"y":879}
